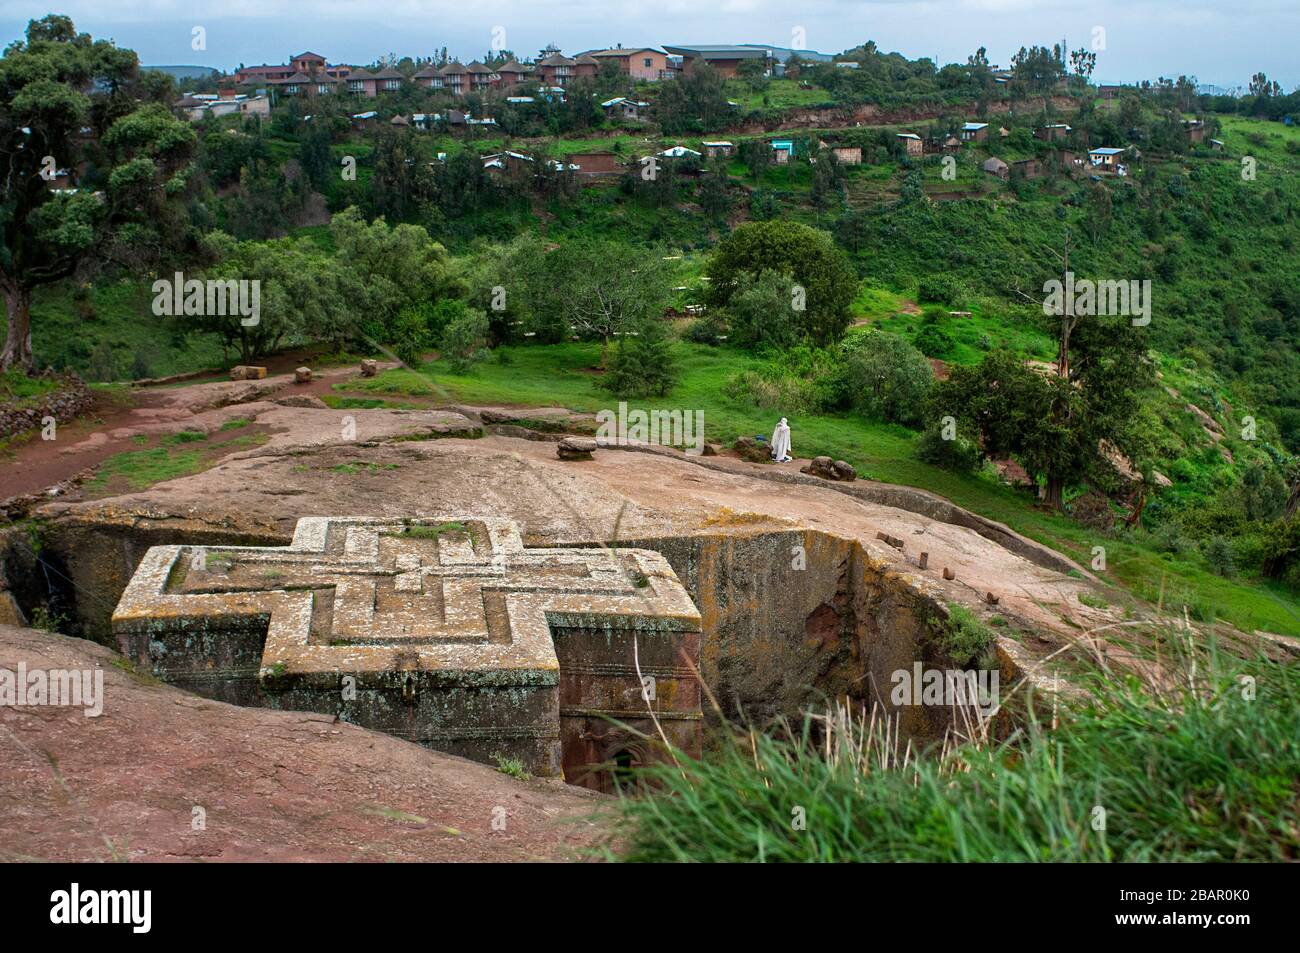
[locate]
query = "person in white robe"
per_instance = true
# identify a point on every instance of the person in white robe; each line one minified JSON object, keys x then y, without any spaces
{"x":781,"y":442}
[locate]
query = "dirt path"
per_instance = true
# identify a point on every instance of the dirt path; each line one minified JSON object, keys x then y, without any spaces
{"x":114,"y":426}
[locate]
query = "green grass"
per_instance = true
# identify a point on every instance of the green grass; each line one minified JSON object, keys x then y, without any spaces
{"x":512,"y":767}
{"x":358,"y":467}
{"x":142,"y":468}
{"x":177,"y":455}
{"x":986,"y":328}
{"x":363,"y":403}
{"x":1204,"y":776}
{"x":419,"y":531}
{"x":779,"y":94}
{"x":112,"y":334}
{"x":18,"y":389}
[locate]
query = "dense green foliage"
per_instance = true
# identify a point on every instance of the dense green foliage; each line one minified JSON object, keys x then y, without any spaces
{"x":823,"y":280}
{"x":56,"y":86}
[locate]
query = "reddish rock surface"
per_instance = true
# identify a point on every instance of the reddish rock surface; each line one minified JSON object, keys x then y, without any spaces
{"x":275,"y":786}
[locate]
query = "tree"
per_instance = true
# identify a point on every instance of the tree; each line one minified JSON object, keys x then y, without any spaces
{"x":595,"y":290}
{"x":1053,"y":424}
{"x":1083,"y":61}
{"x":828,"y":180}
{"x":824,"y":280}
{"x":642,"y":364}
{"x":756,"y":154}
{"x":403,"y":183}
{"x":1037,"y":69}
{"x":464,"y":340}
{"x":1099,"y":211}
{"x":888,"y":379}
{"x":761,"y":311}
{"x":381,"y":268}
{"x":300,"y":298}
{"x":694,"y":101}
{"x":1261,"y":86}
{"x":53,"y":86}
{"x":715,"y":196}
{"x":754,"y":73}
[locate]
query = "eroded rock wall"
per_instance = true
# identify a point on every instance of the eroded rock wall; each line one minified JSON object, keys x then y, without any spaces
{"x":793,"y":620}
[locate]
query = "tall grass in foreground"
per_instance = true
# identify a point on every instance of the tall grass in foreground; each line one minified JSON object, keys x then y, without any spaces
{"x":1197,"y":772}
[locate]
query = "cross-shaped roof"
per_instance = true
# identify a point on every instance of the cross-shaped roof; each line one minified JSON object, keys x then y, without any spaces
{"x":370,"y":595}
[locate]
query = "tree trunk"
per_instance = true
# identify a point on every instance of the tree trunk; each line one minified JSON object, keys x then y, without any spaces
{"x":1056,"y":493}
{"x":18,"y":338}
{"x":1138,"y":502}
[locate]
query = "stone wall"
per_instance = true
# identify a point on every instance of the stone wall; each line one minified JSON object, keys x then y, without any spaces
{"x":72,"y":399}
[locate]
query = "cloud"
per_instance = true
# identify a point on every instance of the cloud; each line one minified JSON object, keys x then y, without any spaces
{"x":1217,"y":42}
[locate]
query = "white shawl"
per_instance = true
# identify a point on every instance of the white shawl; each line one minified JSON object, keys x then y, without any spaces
{"x":781,"y":442}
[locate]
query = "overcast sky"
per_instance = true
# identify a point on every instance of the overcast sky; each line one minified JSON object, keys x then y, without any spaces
{"x":1218,"y":41}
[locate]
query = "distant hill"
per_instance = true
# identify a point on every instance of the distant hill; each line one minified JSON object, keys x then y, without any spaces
{"x":185,"y":72}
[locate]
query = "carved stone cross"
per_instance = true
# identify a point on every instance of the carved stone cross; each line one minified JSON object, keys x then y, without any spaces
{"x":446,"y":631}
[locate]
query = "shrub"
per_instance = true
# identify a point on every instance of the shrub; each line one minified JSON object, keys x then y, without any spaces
{"x":965,"y":639}
{"x":887,"y":378}
{"x":764,"y":205}
{"x":642,"y":365}
{"x":1169,"y":538}
{"x":940,"y":289}
{"x":773,"y":391}
{"x":958,"y":455}
{"x":705,"y":330}
{"x":103,"y":363}
{"x":933,"y":341}
{"x":464,"y":340}
{"x":1218,"y":553}
{"x":409,"y":335}
{"x":1281,"y":551}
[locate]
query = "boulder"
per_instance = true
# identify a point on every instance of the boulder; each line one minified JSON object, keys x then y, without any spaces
{"x":819,"y":466}
{"x":753,"y":450}
{"x":575,"y":448}
{"x":247,"y":372}
{"x":369,"y":368}
{"x":829,"y":469}
{"x":302,"y":375}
